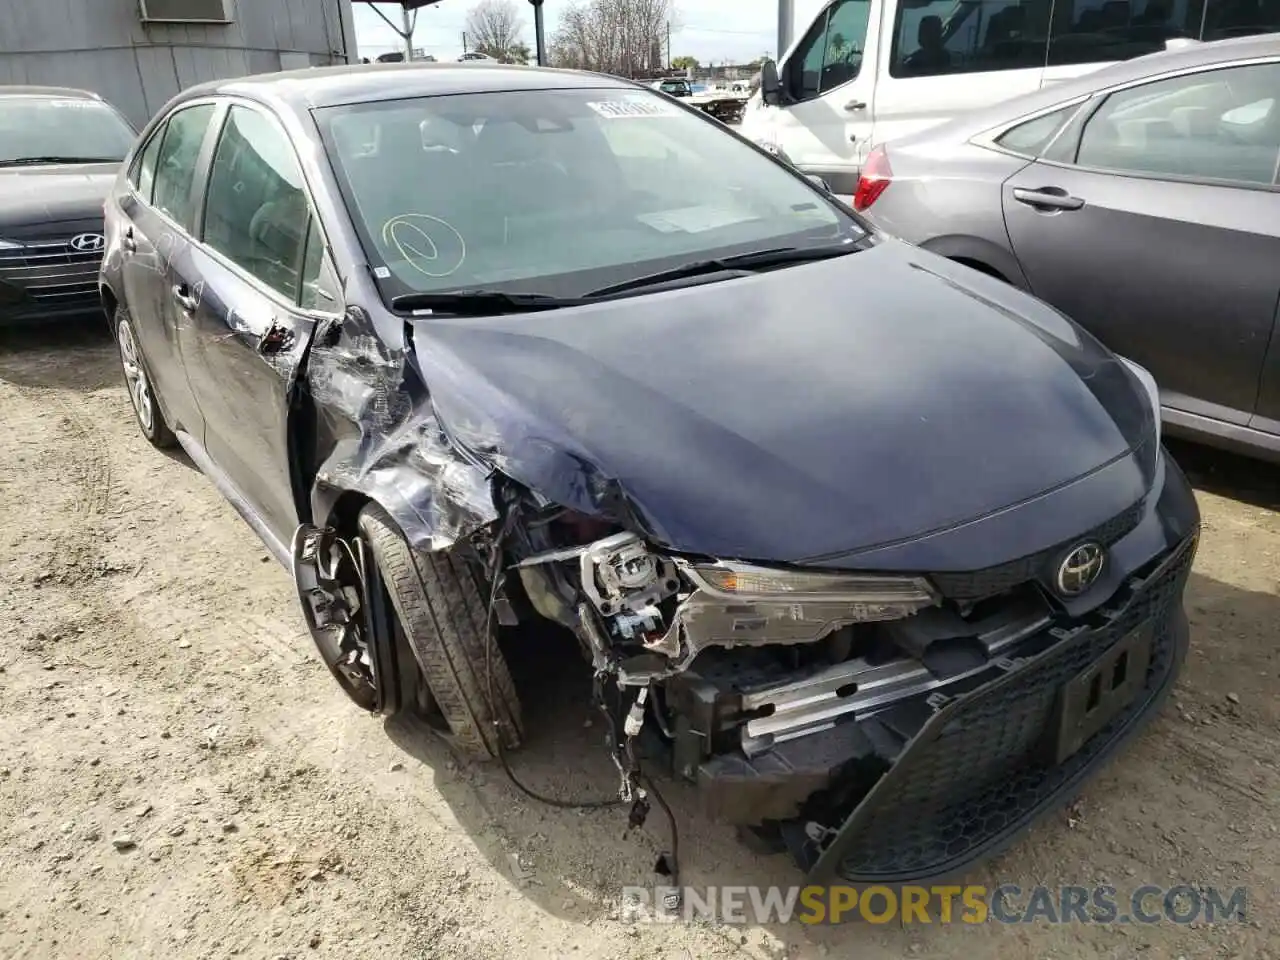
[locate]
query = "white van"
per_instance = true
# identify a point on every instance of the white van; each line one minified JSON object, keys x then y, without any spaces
{"x":866,"y":71}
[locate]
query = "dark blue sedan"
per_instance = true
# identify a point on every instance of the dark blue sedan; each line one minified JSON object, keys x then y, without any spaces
{"x":883,"y":555}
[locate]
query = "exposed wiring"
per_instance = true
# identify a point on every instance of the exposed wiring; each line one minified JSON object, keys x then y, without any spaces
{"x":668,"y":864}
{"x":496,"y":573}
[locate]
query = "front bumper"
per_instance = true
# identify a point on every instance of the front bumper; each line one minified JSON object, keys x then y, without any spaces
{"x":977,"y":769}
{"x":901,"y":781}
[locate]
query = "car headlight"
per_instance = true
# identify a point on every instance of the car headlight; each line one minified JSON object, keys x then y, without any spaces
{"x":740,"y":581}
{"x":1153,"y":392}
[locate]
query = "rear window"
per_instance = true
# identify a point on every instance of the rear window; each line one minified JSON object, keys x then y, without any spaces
{"x":61,"y":130}
{"x":1032,"y":136}
{"x":1221,"y":124}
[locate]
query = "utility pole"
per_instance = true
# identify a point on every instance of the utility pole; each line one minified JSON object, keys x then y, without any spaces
{"x":464,"y":41}
{"x":539,"y":33}
{"x":408,"y":33}
{"x":668,"y":44}
{"x":786,"y":14}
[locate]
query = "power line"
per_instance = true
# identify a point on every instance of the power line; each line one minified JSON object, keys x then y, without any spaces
{"x":738,"y":33}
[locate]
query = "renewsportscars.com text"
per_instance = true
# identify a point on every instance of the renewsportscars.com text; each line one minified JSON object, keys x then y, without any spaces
{"x":973,"y":904}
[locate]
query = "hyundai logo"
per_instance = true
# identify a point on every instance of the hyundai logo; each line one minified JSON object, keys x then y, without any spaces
{"x":88,"y":242}
{"x":1080,"y":569}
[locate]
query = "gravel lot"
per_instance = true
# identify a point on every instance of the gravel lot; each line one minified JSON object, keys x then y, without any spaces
{"x":160,"y":694}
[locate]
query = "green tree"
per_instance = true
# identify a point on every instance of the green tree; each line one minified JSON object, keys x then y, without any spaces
{"x":685,"y":63}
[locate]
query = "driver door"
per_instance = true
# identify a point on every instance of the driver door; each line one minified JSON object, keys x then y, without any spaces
{"x":825,"y":123}
{"x":253,"y":291}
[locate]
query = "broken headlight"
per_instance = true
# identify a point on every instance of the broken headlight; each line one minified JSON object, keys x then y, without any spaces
{"x":740,"y":581}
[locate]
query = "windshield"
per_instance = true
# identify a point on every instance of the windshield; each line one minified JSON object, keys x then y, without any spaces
{"x":61,"y":127}
{"x":559,"y":191}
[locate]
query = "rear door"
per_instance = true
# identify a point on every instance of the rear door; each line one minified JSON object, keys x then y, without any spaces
{"x":1267,"y":417}
{"x":254,"y":289}
{"x":1159,"y":231}
{"x":158,"y":211}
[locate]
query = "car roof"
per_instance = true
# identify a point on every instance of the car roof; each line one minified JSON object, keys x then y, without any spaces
{"x":315,"y":87}
{"x":1152,"y":65}
{"x":69,"y":93}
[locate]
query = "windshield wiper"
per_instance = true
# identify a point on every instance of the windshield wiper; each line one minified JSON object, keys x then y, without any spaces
{"x":482,"y":302}
{"x":494,"y":302}
{"x":755,"y":260}
{"x":31,"y":161}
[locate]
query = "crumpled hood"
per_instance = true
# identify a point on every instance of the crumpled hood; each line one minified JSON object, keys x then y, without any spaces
{"x":796,"y":414}
{"x":35,"y":196}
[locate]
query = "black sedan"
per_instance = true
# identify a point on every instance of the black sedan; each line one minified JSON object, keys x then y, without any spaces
{"x":60,"y":151}
{"x":883,"y":555}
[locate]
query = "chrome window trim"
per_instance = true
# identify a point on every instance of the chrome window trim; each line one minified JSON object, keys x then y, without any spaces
{"x":988,"y":138}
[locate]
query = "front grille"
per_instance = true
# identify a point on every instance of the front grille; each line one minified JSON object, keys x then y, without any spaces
{"x":992,"y":581}
{"x":51,"y":272}
{"x":981,"y":774}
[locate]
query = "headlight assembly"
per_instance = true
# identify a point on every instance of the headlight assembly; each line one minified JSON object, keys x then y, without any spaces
{"x":1153,"y":392}
{"x":740,"y":581}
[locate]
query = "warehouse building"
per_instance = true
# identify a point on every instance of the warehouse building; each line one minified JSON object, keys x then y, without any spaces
{"x":139,"y":53}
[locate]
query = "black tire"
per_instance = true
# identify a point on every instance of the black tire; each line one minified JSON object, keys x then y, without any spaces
{"x":146,"y":405}
{"x":443,"y":610}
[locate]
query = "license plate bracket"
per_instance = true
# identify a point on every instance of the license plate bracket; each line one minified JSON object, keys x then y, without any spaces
{"x":1093,"y":698}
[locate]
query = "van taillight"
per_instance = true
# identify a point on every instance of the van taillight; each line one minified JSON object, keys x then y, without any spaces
{"x":876,"y":175}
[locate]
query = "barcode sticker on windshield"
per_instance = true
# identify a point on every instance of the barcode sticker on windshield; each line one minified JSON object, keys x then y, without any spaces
{"x":639,"y":107}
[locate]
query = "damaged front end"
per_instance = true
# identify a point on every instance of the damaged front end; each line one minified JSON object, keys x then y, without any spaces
{"x":889,"y":712}
{"x":881,"y":729}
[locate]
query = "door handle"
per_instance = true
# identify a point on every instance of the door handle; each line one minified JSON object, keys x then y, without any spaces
{"x":184,"y":298}
{"x":128,"y":241}
{"x":1049,"y":198}
{"x":856,"y":105}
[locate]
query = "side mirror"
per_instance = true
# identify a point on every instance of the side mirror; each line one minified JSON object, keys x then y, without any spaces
{"x":818,"y":182}
{"x":770,"y":85}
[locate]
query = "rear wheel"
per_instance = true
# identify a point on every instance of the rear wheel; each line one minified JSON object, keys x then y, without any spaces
{"x":442,"y":608}
{"x":145,"y":408}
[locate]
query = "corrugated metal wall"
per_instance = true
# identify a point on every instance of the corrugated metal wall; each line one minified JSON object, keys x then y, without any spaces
{"x":103,"y":45}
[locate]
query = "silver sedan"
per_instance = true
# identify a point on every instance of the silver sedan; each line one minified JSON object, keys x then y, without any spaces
{"x":1142,"y":200}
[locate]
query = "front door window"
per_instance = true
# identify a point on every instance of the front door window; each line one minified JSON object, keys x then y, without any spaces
{"x":831,"y":54}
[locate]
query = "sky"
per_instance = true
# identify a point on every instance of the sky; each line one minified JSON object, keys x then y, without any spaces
{"x":713,"y":31}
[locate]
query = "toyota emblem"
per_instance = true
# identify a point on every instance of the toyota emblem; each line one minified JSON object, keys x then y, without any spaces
{"x":88,"y":242}
{"x":1080,"y":569}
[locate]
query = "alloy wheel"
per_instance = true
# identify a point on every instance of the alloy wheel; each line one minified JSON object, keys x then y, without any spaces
{"x":135,"y":376}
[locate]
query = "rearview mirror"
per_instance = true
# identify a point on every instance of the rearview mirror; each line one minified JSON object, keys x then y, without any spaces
{"x":770,"y":85}
{"x":818,"y":182}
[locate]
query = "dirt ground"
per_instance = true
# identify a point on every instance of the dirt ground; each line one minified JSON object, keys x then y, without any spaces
{"x":158,"y":685}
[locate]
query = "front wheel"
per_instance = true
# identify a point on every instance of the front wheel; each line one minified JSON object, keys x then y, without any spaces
{"x":443,"y":611}
{"x":145,"y":408}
